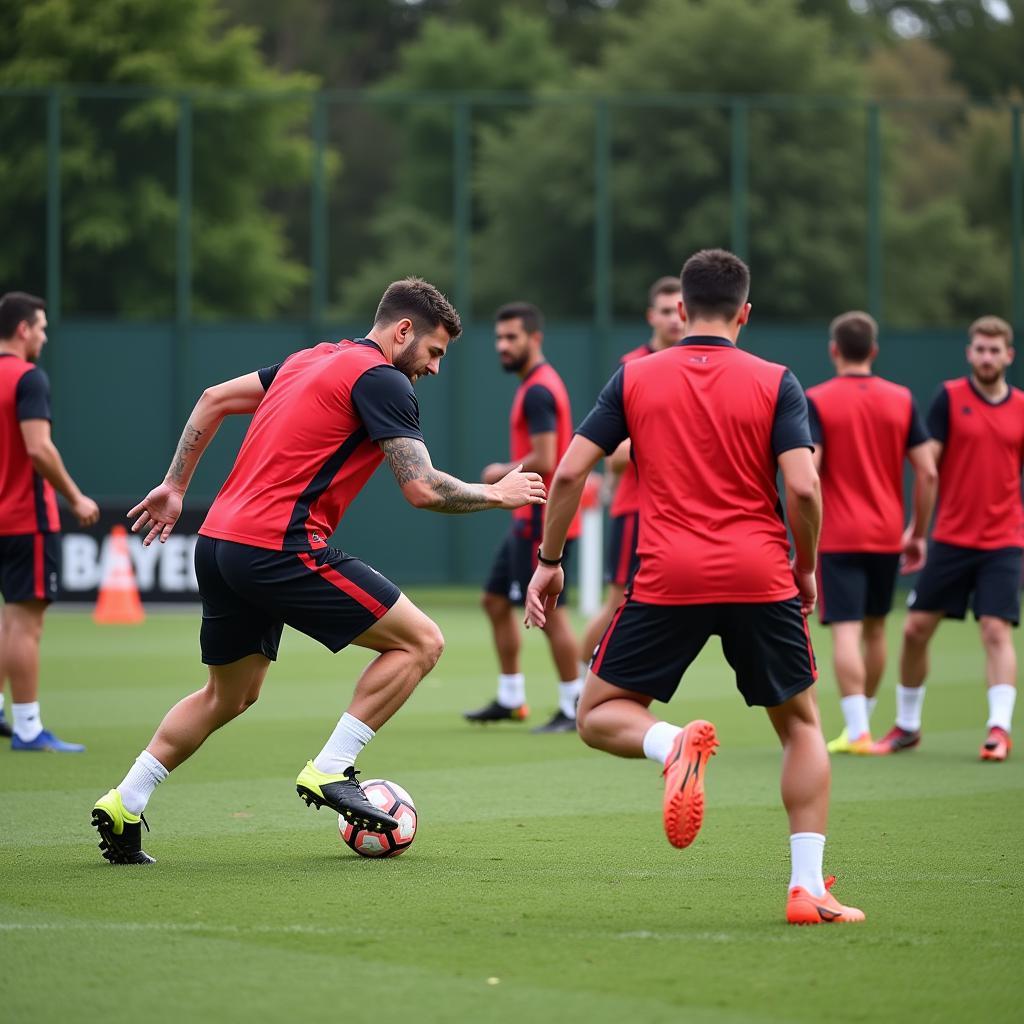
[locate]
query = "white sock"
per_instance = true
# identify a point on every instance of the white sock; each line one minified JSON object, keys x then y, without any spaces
{"x":909,"y":701}
{"x":807,"y":851}
{"x":143,"y":777}
{"x":346,"y":742}
{"x":1000,"y":705}
{"x":658,"y":741}
{"x":27,"y":724}
{"x":855,"y":711}
{"x":872,"y":702}
{"x":512,"y":690}
{"x":568,"y":697}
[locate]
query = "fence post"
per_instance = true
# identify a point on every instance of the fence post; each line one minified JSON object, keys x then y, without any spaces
{"x":874,"y":189}
{"x":1017,"y":219}
{"x":183,"y":255}
{"x":318,"y":228}
{"x":602,"y":241}
{"x":53,"y":209}
{"x":739,"y":155}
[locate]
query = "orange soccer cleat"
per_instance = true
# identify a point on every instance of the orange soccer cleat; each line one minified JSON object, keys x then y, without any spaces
{"x":684,"y":782}
{"x":803,"y":908}
{"x":896,"y":740}
{"x":997,"y":746}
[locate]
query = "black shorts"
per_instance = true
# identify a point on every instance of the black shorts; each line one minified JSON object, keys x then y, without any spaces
{"x":514,"y":565}
{"x":249,"y":594}
{"x":622,"y":558}
{"x":648,"y":647}
{"x":953,"y":573}
{"x":29,"y":567}
{"x":856,"y":585}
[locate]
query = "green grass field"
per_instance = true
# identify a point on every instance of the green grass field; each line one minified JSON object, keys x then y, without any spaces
{"x":540,"y":886}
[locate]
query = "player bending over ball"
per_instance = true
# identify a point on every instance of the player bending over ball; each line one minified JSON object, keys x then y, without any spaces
{"x":710,"y":426}
{"x":324,"y":420}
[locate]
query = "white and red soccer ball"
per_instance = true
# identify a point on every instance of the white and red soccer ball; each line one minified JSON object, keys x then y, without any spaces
{"x":393,"y":800}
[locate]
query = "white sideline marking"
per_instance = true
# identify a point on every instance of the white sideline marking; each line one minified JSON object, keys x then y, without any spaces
{"x":172,"y":926}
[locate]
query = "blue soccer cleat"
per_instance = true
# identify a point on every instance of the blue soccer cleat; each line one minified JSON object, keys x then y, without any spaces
{"x":46,"y":741}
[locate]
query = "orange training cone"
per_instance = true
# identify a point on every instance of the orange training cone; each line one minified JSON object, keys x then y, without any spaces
{"x":118,"y":602}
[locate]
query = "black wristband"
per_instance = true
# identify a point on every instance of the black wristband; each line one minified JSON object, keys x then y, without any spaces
{"x":550,"y":562}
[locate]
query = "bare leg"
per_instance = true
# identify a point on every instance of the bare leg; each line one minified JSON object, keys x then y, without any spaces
{"x":1000,"y":656}
{"x":507,"y":642}
{"x":918,"y":630}
{"x":806,"y":774}
{"x":876,"y":653}
{"x":562,"y":641}
{"x":612,"y":719}
{"x":599,"y":623}
{"x":21,"y":630}
{"x":847,"y":658}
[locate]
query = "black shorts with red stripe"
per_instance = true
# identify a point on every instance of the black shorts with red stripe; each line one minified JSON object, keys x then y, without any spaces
{"x":648,"y":647}
{"x":29,"y":566}
{"x":622,"y":557}
{"x":249,"y":594}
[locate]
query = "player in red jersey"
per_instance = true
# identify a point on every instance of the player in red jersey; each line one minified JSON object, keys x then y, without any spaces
{"x":666,"y":329}
{"x":324,"y":420}
{"x":863,"y":427}
{"x":977,"y":427}
{"x":540,"y":427}
{"x":711,"y":425}
{"x":31,"y":470}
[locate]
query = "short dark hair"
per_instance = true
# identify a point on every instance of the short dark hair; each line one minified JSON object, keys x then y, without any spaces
{"x":422,"y":303}
{"x":715,"y":284}
{"x":663,"y":286}
{"x":532,"y":317}
{"x":992,"y":327}
{"x":15,"y":307}
{"x":855,"y":334}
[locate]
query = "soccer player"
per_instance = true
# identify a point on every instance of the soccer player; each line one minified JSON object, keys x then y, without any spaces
{"x":710,"y":426}
{"x":540,"y":427}
{"x":324,"y":420}
{"x":977,"y":429}
{"x":862,"y":427}
{"x":31,"y":470}
{"x":666,"y":329}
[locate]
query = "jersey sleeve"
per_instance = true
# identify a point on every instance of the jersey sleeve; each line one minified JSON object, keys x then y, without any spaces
{"x":539,"y":410}
{"x":605,"y":424}
{"x":814,"y":422}
{"x":791,"y":428}
{"x":32,"y":396}
{"x":386,"y":403}
{"x":268,"y":373}
{"x":938,"y":416}
{"x":916,"y":434}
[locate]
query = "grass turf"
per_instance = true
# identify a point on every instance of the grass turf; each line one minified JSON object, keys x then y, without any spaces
{"x":540,"y":884}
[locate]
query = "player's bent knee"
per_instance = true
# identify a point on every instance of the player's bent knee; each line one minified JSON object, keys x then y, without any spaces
{"x":917,"y":629}
{"x":431,"y":645}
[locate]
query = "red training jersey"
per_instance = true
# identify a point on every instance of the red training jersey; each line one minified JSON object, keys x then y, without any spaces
{"x":28,"y":503}
{"x":540,"y":406}
{"x":627,"y":494}
{"x":865,"y":424}
{"x":707,"y":422}
{"x":980,"y":468}
{"x":311,"y":446}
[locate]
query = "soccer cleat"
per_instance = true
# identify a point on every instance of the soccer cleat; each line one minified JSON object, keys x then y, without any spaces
{"x":343,"y":794}
{"x":997,"y":746}
{"x":840,"y":745}
{"x":5,"y":727}
{"x":46,"y":741}
{"x":120,"y":832}
{"x":803,"y":908}
{"x":897,"y":739}
{"x":559,"y":722}
{"x":495,"y":712}
{"x":683,"y":806}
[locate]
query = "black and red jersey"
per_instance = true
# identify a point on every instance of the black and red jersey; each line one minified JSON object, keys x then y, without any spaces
{"x":28,"y":503}
{"x":980,"y":467}
{"x":312,"y":445}
{"x":540,"y":406}
{"x":627,"y":497}
{"x":707,"y":422}
{"x":865,"y":425}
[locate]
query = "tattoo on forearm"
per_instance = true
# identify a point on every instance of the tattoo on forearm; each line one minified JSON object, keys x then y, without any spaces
{"x":187,"y":444}
{"x":409,"y":461}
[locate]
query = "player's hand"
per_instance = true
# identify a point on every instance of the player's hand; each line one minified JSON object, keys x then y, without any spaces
{"x":517,"y":488}
{"x":158,"y":512}
{"x":542,"y":594}
{"x":914,"y":554}
{"x":808,"y":587}
{"x":85,"y":510}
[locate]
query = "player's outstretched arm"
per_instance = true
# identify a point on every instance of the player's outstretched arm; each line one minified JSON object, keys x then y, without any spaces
{"x":429,"y":488}
{"x":159,"y":510}
{"x":803,"y":510}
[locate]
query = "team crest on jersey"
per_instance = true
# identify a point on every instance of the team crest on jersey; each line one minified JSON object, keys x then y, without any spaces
{"x":698,"y":359}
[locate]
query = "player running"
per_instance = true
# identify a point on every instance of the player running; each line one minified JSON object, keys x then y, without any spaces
{"x":862,"y":427}
{"x":977,"y":426}
{"x":324,"y":420}
{"x":666,"y":329}
{"x":710,"y":426}
{"x":540,"y":427}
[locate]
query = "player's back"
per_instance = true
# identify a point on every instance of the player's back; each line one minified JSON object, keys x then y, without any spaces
{"x":866,"y":427}
{"x":702,"y":417}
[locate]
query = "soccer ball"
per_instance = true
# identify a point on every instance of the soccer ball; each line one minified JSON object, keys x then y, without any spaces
{"x":391,"y":798}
